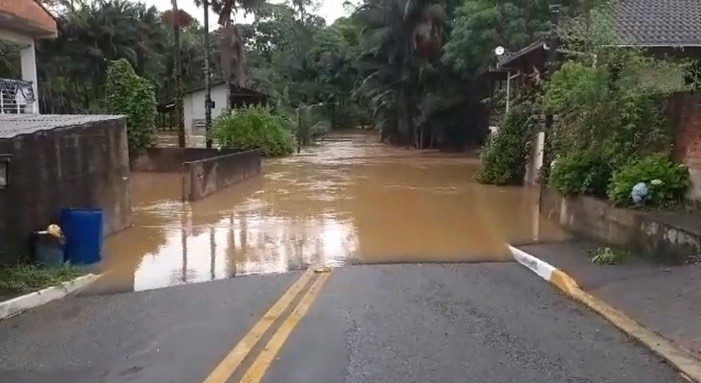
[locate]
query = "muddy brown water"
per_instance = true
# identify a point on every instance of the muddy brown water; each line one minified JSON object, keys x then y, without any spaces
{"x":347,"y":200}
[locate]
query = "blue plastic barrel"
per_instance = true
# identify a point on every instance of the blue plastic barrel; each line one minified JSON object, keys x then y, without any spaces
{"x":83,"y":231}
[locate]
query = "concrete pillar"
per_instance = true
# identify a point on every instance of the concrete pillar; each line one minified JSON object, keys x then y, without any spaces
{"x":535,"y":161}
{"x":29,"y":72}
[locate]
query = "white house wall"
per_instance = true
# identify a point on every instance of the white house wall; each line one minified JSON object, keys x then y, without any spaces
{"x":194,"y":106}
{"x":27,"y":61}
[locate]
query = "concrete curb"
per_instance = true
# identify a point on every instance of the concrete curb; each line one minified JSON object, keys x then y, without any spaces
{"x":686,"y":363}
{"x":22,"y":303}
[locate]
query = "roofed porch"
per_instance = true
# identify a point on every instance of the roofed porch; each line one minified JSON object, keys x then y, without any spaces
{"x":22,"y":22}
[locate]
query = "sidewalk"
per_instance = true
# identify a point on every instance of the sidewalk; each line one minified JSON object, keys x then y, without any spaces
{"x":664,"y":299}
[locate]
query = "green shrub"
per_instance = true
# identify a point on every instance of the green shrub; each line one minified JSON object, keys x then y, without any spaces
{"x":666,"y":181}
{"x":504,"y":156}
{"x":133,"y":96}
{"x":581,"y":172}
{"x":606,"y":256}
{"x":608,"y":107}
{"x":254,"y":127}
{"x":311,"y":123}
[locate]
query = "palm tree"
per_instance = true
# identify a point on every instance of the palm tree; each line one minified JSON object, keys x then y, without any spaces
{"x":178,"y":77}
{"x":400,"y":34}
{"x":232,"y":50}
{"x":207,"y":85}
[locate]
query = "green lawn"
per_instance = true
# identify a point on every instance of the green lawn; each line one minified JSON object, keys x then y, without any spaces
{"x":22,"y":278}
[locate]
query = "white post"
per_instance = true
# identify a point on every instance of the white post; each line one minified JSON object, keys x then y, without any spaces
{"x":508,"y":91}
{"x":29,"y":72}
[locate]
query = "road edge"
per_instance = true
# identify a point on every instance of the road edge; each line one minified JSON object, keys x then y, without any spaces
{"x":15,"y":306}
{"x":683,"y":361}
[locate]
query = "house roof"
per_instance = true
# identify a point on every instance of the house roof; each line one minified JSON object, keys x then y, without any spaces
{"x":658,"y":23}
{"x":235,"y":90}
{"x":27,"y":17}
{"x":644,"y":23}
{"x":535,"y":52}
{"x":12,"y":125}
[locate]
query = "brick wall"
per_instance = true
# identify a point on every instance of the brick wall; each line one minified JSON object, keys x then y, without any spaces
{"x":685,"y":115}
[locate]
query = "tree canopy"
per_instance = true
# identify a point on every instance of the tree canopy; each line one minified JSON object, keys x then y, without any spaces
{"x":407,"y":68}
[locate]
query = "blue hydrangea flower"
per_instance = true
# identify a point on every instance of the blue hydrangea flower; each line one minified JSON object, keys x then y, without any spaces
{"x":640,"y":192}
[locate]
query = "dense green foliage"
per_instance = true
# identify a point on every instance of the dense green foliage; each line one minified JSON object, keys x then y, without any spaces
{"x":666,"y":181}
{"x":254,"y":127}
{"x":128,"y":94}
{"x":581,"y":172}
{"x":609,"y":106}
{"x":72,"y":68}
{"x":310,"y":124}
{"x":505,"y":155}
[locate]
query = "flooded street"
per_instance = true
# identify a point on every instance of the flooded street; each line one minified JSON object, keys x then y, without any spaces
{"x":347,"y":200}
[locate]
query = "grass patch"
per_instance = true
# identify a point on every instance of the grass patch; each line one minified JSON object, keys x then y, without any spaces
{"x":607,"y":256}
{"x":23,"y":278}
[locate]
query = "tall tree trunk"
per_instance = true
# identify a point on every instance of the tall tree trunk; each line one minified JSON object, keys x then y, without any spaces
{"x":407,"y":131}
{"x":178,"y":78}
{"x":207,"y":85}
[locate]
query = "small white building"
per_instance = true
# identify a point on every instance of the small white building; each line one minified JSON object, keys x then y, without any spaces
{"x":22,"y":22}
{"x":194,"y":106}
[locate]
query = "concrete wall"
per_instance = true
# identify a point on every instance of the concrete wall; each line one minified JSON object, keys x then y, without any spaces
{"x":193,"y":104}
{"x":171,"y":160}
{"x":535,"y":159}
{"x":685,"y":115}
{"x":80,"y":166}
{"x":639,"y":231}
{"x":207,"y":176}
{"x":204,"y":171}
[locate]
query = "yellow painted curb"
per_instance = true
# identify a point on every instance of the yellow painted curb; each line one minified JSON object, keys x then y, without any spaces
{"x":685,"y":362}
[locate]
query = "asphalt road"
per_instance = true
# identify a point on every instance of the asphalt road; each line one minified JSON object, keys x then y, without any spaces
{"x":394,"y":323}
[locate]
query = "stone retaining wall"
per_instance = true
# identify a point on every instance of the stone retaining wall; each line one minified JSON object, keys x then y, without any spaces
{"x":639,"y":231}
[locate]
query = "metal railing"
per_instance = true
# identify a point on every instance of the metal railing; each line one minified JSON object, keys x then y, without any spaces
{"x":16,"y":96}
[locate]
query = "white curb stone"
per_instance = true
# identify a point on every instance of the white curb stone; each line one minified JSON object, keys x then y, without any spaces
{"x":25,"y":302}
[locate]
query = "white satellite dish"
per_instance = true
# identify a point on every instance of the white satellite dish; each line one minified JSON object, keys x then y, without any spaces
{"x":499,"y":50}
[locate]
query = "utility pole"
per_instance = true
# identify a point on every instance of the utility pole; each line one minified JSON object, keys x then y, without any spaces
{"x":178,"y":77}
{"x":207,"y":84}
{"x":554,"y":40}
{"x":554,"y":43}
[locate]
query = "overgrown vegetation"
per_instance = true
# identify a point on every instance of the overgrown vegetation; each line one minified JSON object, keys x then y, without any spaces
{"x":310,"y":124}
{"x":25,"y":278}
{"x":651,"y":181}
{"x":608,"y":107}
{"x":505,"y":154}
{"x":255,"y":127}
{"x":611,"y":136}
{"x":606,"y":256}
{"x":581,"y":172}
{"x":129,"y":94}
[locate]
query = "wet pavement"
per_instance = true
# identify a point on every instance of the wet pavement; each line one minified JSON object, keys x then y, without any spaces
{"x":660,"y":297}
{"x":487,"y":322}
{"x":347,"y":200}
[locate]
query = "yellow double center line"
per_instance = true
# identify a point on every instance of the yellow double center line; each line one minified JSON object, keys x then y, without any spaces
{"x":260,"y":365}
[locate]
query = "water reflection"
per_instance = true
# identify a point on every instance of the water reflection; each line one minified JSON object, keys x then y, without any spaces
{"x":348,"y":200}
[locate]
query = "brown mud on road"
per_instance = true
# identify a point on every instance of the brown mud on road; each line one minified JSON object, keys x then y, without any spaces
{"x":347,"y":200}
